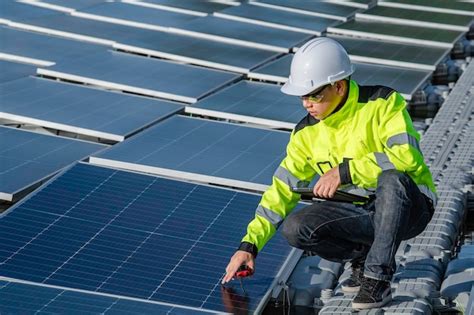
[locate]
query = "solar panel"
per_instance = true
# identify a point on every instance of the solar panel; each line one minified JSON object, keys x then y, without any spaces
{"x":393,"y":54}
{"x":133,"y":15}
{"x":317,"y":8}
{"x":455,"y":7}
{"x":198,"y":7}
{"x":240,"y":33}
{"x":187,"y":49}
{"x":259,"y":103}
{"x":399,"y":33}
{"x":26,"y":158}
{"x":406,"y":81}
{"x":135,"y":235}
{"x":436,"y":20}
{"x":91,"y":112}
{"x":68,"y":5}
{"x":12,"y":71}
{"x":201,"y":150}
{"x":18,"y":297}
{"x":47,"y":50}
{"x":147,"y":76}
{"x":15,"y":11}
{"x":361,"y":4}
{"x":277,"y":19}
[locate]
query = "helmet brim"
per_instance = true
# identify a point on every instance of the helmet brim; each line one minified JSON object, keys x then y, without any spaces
{"x":295,"y":90}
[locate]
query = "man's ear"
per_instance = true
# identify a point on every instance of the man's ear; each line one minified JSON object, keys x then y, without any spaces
{"x":341,"y":87}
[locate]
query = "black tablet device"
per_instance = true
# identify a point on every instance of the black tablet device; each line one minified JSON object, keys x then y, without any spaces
{"x":340,"y":196}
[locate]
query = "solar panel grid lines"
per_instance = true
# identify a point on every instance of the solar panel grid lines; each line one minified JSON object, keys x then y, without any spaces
{"x":107,"y":254}
{"x":81,"y":110}
{"x":19,"y":296}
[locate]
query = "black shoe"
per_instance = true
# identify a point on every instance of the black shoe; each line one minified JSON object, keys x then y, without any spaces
{"x":352,"y":284}
{"x":373,"y":293}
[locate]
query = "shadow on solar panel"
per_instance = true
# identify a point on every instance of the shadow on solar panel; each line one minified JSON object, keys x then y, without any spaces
{"x":132,"y":235}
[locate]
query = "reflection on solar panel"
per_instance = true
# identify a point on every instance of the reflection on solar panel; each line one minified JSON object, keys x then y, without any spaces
{"x":77,"y":109}
{"x":317,"y":8}
{"x":418,"y":18}
{"x":142,"y":75}
{"x":135,"y":235}
{"x":240,"y":33}
{"x":17,"y":11}
{"x":455,"y":7}
{"x":46,"y":49}
{"x":400,"y":33}
{"x":133,"y":15}
{"x":11,"y":71}
{"x":258,"y":103}
{"x":393,"y":54}
{"x":277,"y":18}
{"x":198,"y":7}
{"x":26,"y":158}
{"x":201,"y":150}
{"x":19,"y":297}
{"x":406,"y":81}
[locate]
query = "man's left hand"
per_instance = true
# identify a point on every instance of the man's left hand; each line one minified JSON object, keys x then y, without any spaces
{"x":328,"y":183}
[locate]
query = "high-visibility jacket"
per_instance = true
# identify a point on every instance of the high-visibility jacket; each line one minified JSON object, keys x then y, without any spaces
{"x":371,"y":132}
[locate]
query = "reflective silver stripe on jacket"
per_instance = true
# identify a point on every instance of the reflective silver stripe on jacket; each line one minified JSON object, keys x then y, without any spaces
{"x":428,"y":193}
{"x":403,"y":138}
{"x":291,"y":180}
{"x":272,"y":217}
{"x":383,"y":162}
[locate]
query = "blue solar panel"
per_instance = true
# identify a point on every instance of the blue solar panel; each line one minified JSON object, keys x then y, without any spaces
{"x":135,"y":13}
{"x":81,"y":110}
{"x":11,"y":71}
{"x":17,"y":11}
{"x":147,"y":76}
{"x":29,"y":298}
{"x":76,"y":4}
{"x":27,"y":158}
{"x":253,"y":102}
{"x":140,"y":236}
{"x":242,"y":33}
{"x":42,"y":47}
{"x":208,"y":151}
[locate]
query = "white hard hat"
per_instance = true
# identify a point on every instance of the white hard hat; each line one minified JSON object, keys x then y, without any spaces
{"x":318,"y":62}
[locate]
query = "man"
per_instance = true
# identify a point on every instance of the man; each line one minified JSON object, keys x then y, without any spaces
{"x":353,"y":137}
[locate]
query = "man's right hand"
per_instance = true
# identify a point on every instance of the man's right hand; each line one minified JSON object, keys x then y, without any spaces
{"x":240,"y":258}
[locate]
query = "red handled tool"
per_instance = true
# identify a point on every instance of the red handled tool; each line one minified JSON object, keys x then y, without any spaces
{"x":243,"y":272}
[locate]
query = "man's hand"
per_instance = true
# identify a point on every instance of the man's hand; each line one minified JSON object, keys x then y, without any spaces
{"x":328,"y":184}
{"x":240,"y":258}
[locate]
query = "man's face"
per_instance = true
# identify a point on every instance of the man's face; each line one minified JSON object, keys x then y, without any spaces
{"x":322,"y":103}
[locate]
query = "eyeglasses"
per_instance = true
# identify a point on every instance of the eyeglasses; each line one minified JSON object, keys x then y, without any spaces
{"x":315,"y":97}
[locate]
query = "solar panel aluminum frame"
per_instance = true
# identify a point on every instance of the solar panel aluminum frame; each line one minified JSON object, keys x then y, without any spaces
{"x":268,"y":24}
{"x":274,"y":290}
{"x":351,"y":4}
{"x":50,"y":6}
{"x":21,"y":59}
{"x":277,"y":7}
{"x":395,"y":4}
{"x":392,"y":38}
{"x":164,"y":7}
{"x":236,"y":117}
{"x":387,"y":19}
{"x":128,"y":298}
